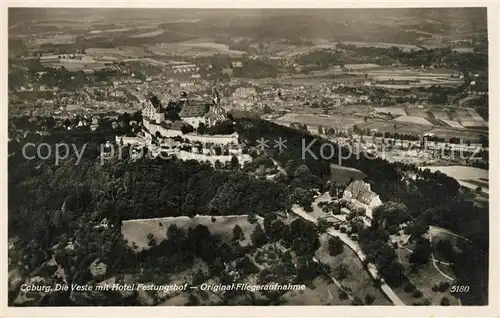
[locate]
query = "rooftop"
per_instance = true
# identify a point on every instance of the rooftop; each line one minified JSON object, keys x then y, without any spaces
{"x":193,"y":109}
{"x":361,"y":191}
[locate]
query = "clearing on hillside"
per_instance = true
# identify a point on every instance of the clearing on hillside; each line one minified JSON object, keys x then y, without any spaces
{"x":136,"y":231}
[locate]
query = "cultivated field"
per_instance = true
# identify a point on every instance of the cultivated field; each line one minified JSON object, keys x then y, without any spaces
{"x":148,"y":34}
{"x":354,"y":109}
{"x":412,"y":77}
{"x":198,"y":47}
{"x":121,"y":52}
{"x":361,"y":66}
{"x":452,"y":123}
{"x":55,"y":39}
{"x":403,"y":47}
{"x":464,"y":49}
{"x":413,"y":120}
{"x":417,"y":112}
{"x":320,"y":120}
{"x":396,"y":127}
{"x":74,"y":65}
{"x":136,"y":231}
{"x":457,"y":133}
{"x":396,"y":111}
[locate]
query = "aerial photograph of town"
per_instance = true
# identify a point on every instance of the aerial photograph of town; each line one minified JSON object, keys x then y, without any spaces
{"x":248,"y":157}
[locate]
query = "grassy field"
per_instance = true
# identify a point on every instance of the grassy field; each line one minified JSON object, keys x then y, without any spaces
{"x":461,"y":172}
{"x":341,"y":174}
{"x":479,"y":183}
{"x":439,"y":234}
{"x":424,"y":279}
{"x":358,"y":279}
{"x":136,"y":231}
{"x":415,"y":77}
{"x":324,"y":293}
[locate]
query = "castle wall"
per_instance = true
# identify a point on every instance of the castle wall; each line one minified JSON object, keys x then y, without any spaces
{"x":170,"y":133}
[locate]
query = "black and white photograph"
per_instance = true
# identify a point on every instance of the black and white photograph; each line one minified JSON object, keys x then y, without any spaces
{"x":248,"y":157}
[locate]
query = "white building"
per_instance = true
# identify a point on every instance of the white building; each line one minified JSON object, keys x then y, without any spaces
{"x":360,"y":193}
{"x":154,"y":112}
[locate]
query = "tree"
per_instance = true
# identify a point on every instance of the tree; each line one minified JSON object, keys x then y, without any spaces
{"x":369,"y":299}
{"x":343,"y":295}
{"x":267,"y":109}
{"x":218,"y":150}
{"x":192,"y":301}
{"x":303,"y":237}
{"x":323,"y":225}
{"x":445,"y":248}
{"x":237,"y":233}
{"x":408,"y":287}
{"x":417,"y":229}
{"x":175,"y":233}
{"x":342,"y":271}
{"x":258,"y":236}
{"x":251,"y":218}
{"x":421,"y":253}
{"x":335,"y":246}
{"x":445,"y":301}
{"x":390,"y":213}
{"x":202,"y":128}
{"x":443,"y":286}
{"x":172,"y":115}
{"x":276,"y":230}
{"x":303,"y":197}
{"x":357,"y":301}
{"x":186,"y":129}
{"x":235,"y":162}
{"x":151,"y":240}
{"x":357,"y":224}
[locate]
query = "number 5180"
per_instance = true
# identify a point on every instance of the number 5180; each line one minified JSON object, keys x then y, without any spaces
{"x":459,"y":289}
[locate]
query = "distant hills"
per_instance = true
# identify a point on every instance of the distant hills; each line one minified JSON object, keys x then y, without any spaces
{"x":401,"y":25}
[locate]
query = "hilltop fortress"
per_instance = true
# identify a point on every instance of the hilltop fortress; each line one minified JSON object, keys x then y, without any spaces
{"x":190,"y":112}
{"x":190,"y":121}
{"x":182,"y":118}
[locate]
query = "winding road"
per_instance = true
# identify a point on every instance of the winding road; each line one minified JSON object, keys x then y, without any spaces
{"x":372,"y":269}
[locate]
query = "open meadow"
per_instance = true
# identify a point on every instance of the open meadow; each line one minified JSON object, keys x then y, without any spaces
{"x":135,"y":232}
